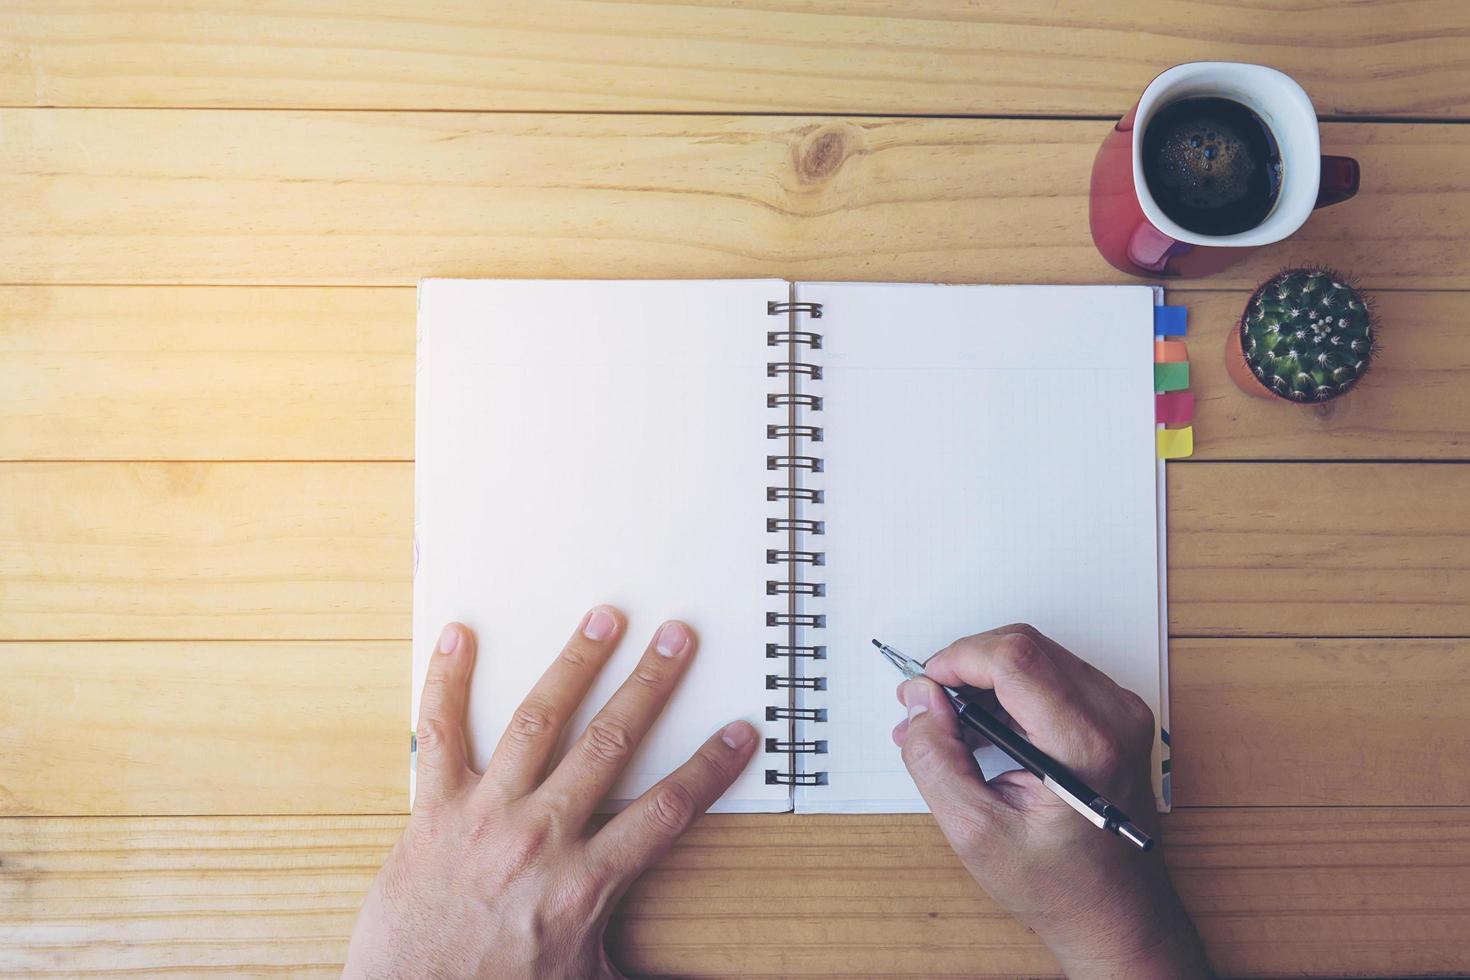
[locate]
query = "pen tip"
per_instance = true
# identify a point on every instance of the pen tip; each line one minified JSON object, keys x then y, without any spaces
{"x":877,"y":644}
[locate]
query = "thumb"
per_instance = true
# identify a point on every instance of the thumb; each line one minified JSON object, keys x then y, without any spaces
{"x":943,"y":766}
{"x":441,"y":763}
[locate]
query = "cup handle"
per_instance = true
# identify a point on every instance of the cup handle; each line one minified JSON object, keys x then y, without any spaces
{"x":1151,"y":249}
{"x":1339,"y":181}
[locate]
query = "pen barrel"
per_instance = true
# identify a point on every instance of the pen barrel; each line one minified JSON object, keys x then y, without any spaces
{"x":1019,"y":748}
{"x":1047,"y":769}
{"x":1003,"y":737}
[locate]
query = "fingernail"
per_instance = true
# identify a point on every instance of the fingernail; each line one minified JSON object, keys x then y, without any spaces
{"x":600,"y":624}
{"x":449,"y":639}
{"x":738,"y":734}
{"x":916,"y":698}
{"x":672,"y":639}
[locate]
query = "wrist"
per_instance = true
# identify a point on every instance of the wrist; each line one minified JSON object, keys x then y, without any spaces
{"x":1139,"y":934}
{"x":1161,"y":958}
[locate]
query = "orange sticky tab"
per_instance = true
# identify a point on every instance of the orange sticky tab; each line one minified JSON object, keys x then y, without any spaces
{"x":1175,"y":443}
{"x":1170,"y":351}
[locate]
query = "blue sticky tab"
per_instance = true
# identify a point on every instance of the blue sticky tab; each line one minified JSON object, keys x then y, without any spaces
{"x":1171,"y":321}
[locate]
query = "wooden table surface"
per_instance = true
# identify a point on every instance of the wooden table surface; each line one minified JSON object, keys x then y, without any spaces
{"x":211,"y":221}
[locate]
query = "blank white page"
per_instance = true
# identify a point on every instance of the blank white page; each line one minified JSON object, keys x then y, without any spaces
{"x":588,"y":442}
{"x":989,"y":458}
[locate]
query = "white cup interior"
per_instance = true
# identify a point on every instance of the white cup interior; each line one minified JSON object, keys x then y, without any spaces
{"x":1282,"y":105}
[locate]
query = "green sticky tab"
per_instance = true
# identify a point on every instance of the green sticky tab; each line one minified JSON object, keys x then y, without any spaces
{"x":1173,"y":376}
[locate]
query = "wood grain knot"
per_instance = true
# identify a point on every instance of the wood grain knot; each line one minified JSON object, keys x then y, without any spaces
{"x":172,"y":479}
{"x":820,"y":153}
{"x":1325,"y":410}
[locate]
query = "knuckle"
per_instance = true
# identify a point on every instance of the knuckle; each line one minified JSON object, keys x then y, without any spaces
{"x":517,"y":854}
{"x":607,"y":740}
{"x":558,"y":809}
{"x":430,"y":736}
{"x":1019,"y":653}
{"x":672,"y":808}
{"x":532,"y":720}
{"x":648,"y":676}
{"x":1022,"y":629}
{"x":573,"y":655}
{"x":717,"y":766}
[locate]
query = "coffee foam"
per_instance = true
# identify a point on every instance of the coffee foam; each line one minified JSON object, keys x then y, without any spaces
{"x":1205,"y":162}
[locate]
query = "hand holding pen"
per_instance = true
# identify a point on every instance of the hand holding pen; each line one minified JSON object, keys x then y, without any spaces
{"x":1104,"y":908}
{"x":968,"y":704}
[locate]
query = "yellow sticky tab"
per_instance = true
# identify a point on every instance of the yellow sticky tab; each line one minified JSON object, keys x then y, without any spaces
{"x":1175,"y":443}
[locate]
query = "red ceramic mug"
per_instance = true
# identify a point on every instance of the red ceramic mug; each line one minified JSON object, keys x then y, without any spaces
{"x":1134,"y":234}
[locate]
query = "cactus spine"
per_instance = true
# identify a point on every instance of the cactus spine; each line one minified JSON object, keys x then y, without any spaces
{"x":1307,"y":335}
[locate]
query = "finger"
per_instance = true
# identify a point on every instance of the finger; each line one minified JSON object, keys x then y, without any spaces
{"x":974,"y":741}
{"x":441,"y":767}
{"x":531,"y":737}
{"x":635,"y":838}
{"x":941,"y":764}
{"x":986,"y":700}
{"x":600,"y":754}
{"x":1038,"y":693}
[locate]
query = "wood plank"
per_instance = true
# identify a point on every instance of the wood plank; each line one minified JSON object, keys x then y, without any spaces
{"x":256,"y":373}
{"x":1326,"y":549}
{"x":321,"y":727}
{"x":312,"y":198}
{"x":1316,"y":722}
{"x":110,"y":551}
{"x":240,"y":896}
{"x":257,"y":551}
{"x":929,"y":56}
{"x":108,"y":728}
{"x":104,"y":372}
{"x":754,"y":896}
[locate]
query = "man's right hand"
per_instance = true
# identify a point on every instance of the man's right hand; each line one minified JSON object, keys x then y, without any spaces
{"x":1104,"y":908}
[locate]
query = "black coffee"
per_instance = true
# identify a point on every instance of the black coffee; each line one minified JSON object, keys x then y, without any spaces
{"x":1212,"y":165}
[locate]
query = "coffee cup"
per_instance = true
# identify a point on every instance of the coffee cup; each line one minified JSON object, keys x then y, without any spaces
{"x":1216,"y":158}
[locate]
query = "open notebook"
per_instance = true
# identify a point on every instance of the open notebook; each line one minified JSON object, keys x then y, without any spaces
{"x":792,"y":469}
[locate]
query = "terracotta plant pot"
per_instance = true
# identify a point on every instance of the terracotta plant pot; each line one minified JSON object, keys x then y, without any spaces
{"x":1239,"y":372}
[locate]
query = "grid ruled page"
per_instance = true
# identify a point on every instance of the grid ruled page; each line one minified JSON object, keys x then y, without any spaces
{"x":989,"y":459}
{"x":588,"y":442}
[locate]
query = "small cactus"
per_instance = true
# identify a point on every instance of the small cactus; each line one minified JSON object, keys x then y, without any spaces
{"x":1307,"y":335}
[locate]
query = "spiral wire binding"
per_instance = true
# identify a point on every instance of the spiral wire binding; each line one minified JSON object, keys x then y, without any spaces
{"x":792,"y":551}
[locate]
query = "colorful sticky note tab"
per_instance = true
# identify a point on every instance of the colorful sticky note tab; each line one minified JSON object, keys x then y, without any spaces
{"x":1169,"y":351}
{"x":1175,"y":443}
{"x":1174,"y":408}
{"x":1171,"y":377}
{"x":1171,"y":321}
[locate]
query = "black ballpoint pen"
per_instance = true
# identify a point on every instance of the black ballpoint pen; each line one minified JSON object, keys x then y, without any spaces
{"x":1053,"y":775}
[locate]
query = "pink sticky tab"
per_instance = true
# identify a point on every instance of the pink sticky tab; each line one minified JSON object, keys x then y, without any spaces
{"x":1174,"y":407}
